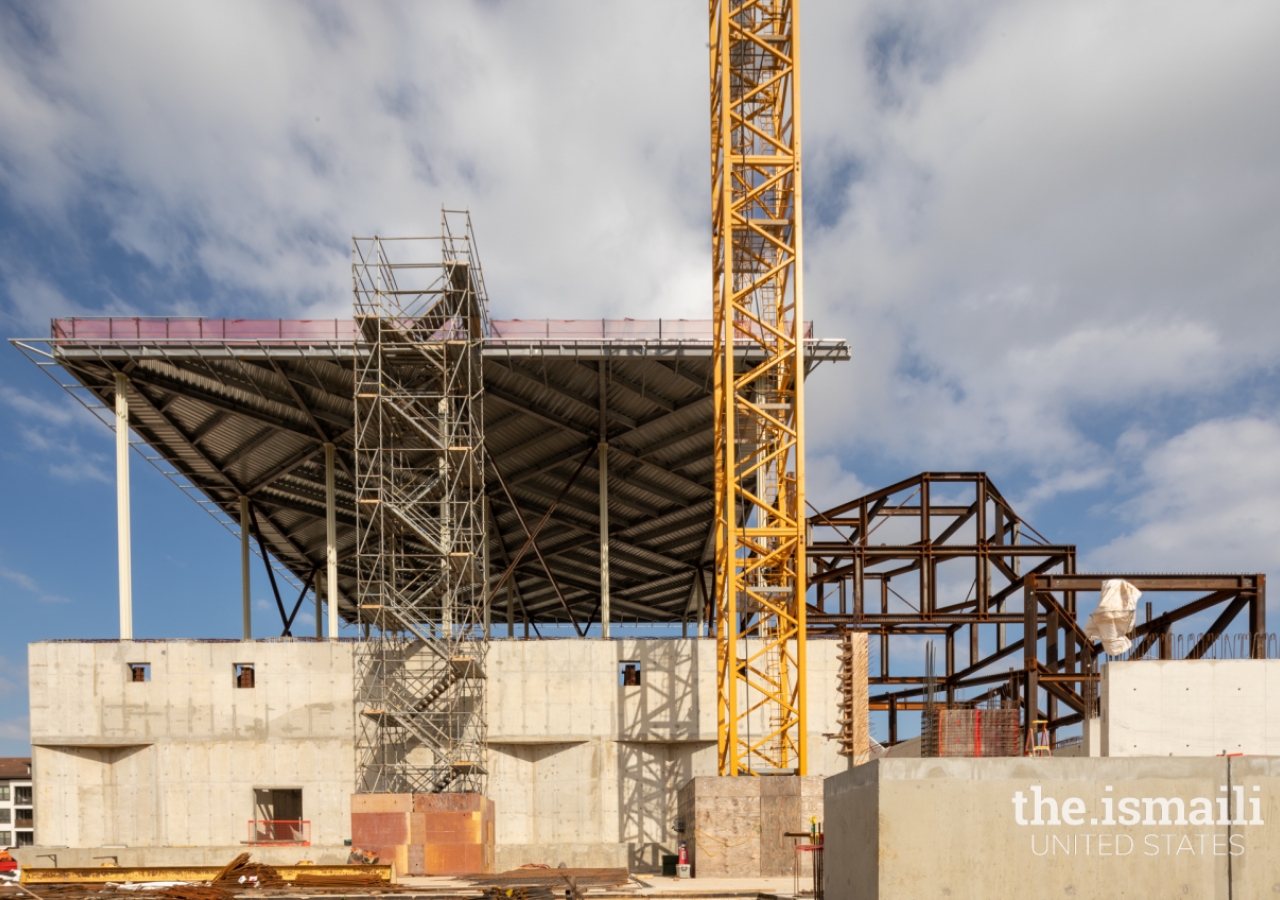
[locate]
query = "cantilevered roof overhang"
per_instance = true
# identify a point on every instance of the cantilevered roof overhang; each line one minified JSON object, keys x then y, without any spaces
{"x":230,"y":408}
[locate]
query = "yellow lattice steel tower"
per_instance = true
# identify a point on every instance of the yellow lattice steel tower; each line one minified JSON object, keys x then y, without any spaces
{"x":759,"y":418}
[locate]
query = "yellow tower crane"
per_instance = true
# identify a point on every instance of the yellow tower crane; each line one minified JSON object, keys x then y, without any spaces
{"x":759,"y":394}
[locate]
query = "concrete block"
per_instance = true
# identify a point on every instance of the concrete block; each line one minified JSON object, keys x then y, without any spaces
{"x":1190,"y":707}
{"x":1089,"y":827}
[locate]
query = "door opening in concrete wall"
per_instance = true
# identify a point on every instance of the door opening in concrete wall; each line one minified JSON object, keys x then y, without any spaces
{"x":244,"y":675}
{"x":278,"y":803}
{"x":629,"y":673}
{"x":139,"y":671}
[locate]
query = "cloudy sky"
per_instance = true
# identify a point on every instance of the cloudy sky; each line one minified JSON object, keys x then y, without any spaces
{"x":1050,"y":233}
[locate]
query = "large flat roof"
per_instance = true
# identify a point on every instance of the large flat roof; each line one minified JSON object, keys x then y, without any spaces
{"x":231,"y":407}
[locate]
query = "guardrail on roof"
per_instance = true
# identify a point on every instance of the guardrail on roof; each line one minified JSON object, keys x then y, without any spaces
{"x":195,"y":328}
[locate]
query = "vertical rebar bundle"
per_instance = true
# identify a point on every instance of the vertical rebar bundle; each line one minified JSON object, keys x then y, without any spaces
{"x":422,"y":550}
{"x":855,"y":727}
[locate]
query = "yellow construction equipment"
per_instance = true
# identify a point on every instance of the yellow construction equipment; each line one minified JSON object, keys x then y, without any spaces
{"x":759,"y":397}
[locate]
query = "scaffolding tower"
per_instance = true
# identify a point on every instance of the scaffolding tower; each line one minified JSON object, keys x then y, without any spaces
{"x":422,"y":549}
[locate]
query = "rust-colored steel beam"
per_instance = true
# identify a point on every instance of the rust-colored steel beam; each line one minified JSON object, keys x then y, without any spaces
{"x":1058,"y":667}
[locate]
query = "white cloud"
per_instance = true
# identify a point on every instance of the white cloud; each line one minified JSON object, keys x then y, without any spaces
{"x":1057,"y":213}
{"x":29,"y":584}
{"x":18,"y":578}
{"x":1207,"y":502}
{"x":59,"y":412}
{"x":1035,"y":223}
{"x":16,"y":729}
{"x":274,"y":132}
{"x":13,"y":678}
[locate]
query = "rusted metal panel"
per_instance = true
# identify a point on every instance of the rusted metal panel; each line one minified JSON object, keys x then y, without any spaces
{"x":370,"y":830}
{"x":454,"y":859}
{"x":453,"y":828}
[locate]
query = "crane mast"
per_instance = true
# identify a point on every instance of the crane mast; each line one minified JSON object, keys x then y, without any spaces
{"x":759,"y":373}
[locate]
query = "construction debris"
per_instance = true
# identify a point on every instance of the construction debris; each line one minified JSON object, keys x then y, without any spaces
{"x":527,"y":883}
{"x":208,"y":882}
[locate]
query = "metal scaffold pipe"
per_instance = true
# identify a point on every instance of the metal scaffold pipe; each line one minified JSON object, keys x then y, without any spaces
{"x":421,"y":556}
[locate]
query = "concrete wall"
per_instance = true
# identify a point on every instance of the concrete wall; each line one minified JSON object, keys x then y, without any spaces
{"x":174,"y":761}
{"x":1191,"y":707}
{"x":586,"y":772}
{"x":582,"y":770}
{"x":967,"y":828}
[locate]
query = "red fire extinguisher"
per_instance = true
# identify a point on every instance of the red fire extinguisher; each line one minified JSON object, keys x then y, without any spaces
{"x":683,"y":858}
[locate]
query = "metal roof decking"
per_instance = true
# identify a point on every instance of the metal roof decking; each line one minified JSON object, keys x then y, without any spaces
{"x":244,"y":406}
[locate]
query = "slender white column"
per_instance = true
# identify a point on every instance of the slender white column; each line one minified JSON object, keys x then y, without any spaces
{"x":245,"y":600}
{"x":319,"y":591}
{"x":604,"y":540}
{"x":123,"y":542}
{"x":602,"y":379}
{"x":702,"y":604}
{"x":511,"y":608}
{"x":331,"y":542}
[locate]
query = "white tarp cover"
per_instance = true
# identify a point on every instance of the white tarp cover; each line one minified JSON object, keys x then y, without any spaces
{"x":1112,"y":621}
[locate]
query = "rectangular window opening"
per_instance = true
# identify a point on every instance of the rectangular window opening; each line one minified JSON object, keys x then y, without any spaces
{"x":26,"y":839}
{"x":4,"y":792}
{"x":278,"y":817}
{"x":244,"y":675}
{"x":6,"y":838}
{"x":139,"y":672}
{"x":22,"y":796}
{"x":629,"y":673}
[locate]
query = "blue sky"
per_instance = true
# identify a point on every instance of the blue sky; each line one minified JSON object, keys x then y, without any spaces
{"x":1048,"y":232}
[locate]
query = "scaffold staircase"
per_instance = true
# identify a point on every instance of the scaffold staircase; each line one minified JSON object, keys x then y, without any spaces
{"x":422,"y":550}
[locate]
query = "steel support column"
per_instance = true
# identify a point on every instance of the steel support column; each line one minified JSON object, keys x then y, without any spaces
{"x":246,"y":600}
{"x":319,"y":595}
{"x":124,"y":545}
{"x":603,"y":449}
{"x":330,"y":546}
{"x":604,"y":540}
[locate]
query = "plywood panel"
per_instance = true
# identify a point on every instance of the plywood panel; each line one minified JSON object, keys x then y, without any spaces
{"x":382,"y":803}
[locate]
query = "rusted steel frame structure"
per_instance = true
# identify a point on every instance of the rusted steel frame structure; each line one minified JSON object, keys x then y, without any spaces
{"x":1016,"y":578}
{"x":422,"y":535}
{"x":860,"y":548}
{"x":759,"y":408}
{"x":1066,"y":670}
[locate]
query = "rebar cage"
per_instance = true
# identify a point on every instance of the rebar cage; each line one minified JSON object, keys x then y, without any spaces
{"x":422,"y":549}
